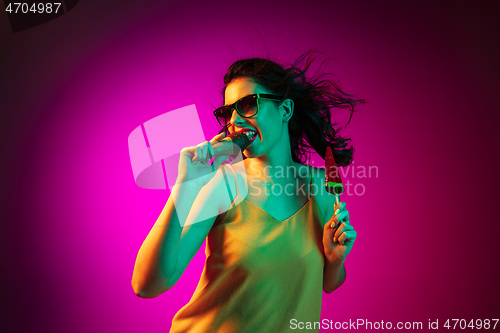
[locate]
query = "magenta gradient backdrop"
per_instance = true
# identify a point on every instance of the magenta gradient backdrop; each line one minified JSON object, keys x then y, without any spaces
{"x":73,"y":89}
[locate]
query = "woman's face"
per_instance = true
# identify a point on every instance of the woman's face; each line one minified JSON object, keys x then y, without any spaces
{"x":267,"y":122}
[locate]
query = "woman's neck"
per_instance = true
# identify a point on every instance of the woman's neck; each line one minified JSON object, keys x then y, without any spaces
{"x":273,"y":170}
{"x":276,"y":165}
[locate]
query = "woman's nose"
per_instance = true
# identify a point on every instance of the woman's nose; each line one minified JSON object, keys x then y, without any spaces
{"x":235,"y":116}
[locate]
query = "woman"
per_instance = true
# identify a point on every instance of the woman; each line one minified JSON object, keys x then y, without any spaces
{"x":275,"y":237}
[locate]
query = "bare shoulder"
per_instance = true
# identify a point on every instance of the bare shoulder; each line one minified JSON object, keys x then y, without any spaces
{"x":325,"y":200}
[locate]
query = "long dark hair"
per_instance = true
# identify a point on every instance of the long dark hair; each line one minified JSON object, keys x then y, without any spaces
{"x":314,"y":99}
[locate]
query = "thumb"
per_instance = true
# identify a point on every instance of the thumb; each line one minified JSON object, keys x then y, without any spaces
{"x":328,"y":233}
{"x":337,"y":206}
{"x":218,"y":137}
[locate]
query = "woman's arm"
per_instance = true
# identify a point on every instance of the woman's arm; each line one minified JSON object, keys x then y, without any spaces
{"x":334,"y":273}
{"x":162,"y":252}
{"x":337,"y":244}
{"x":333,"y":276}
{"x":175,"y":238}
{"x":335,"y":249}
{"x":157,"y":257}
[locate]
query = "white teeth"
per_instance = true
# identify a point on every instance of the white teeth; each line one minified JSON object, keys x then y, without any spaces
{"x":250,"y":134}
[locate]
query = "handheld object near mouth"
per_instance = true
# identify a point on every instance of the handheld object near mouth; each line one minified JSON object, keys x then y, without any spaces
{"x":234,"y":143}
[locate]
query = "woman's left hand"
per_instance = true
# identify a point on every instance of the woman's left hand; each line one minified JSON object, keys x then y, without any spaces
{"x":338,"y":242}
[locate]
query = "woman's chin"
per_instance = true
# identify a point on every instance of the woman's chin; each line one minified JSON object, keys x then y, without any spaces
{"x":248,"y":154}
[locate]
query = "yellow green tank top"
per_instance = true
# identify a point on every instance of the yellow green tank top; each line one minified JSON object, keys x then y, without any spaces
{"x":259,"y":274}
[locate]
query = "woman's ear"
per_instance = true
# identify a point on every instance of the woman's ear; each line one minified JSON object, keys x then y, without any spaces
{"x":287,"y":109}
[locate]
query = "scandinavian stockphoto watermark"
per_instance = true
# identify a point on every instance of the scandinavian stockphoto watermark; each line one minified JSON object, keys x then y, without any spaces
{"x":287,"y":180}
{"x":366,"y":324}
{"x":268,"y":181}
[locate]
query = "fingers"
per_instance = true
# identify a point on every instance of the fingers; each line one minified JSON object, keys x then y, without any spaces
{"x":197,"y":154}
{"x":187,"y":151}
{"x":339,"y":223}
{"x":202,"y":152}
{"x":218,"y":137}
{"x":339,"y":231}
{"x":328,"y":227}
{"x":344,"y":233}
{"x":341,"y":215}
{"x":343,"y":228}
{"x":340,"y":206}
{"x":328,"y":235}
{"x":347,"y":236}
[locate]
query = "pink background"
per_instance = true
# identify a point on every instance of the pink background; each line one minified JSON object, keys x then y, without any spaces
{"x":72,"y":90}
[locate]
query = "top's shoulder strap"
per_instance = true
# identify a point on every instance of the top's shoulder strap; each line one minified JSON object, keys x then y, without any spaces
{"x":311,"y":171}
{"x":235,"y":180}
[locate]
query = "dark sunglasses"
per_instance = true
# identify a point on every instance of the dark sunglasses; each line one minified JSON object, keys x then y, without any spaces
{"x":246,"y":107}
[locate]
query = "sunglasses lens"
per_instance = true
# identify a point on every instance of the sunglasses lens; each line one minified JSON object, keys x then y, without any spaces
{"x":223,"y":115}
{"x":247,"y":106}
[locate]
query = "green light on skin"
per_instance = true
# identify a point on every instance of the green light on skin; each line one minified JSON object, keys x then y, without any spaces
{"x":335,"y":188}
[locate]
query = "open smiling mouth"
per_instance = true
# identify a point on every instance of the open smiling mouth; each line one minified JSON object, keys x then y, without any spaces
{"x":252,"y":135}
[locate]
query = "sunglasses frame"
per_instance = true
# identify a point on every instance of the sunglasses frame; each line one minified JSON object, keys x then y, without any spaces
{"x":234,"y":106}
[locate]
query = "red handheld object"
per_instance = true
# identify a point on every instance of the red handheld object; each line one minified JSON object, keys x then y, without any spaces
{"x":333,"y":183}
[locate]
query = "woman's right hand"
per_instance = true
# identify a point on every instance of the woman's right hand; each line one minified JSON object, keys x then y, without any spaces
{"x":193,"y":162}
